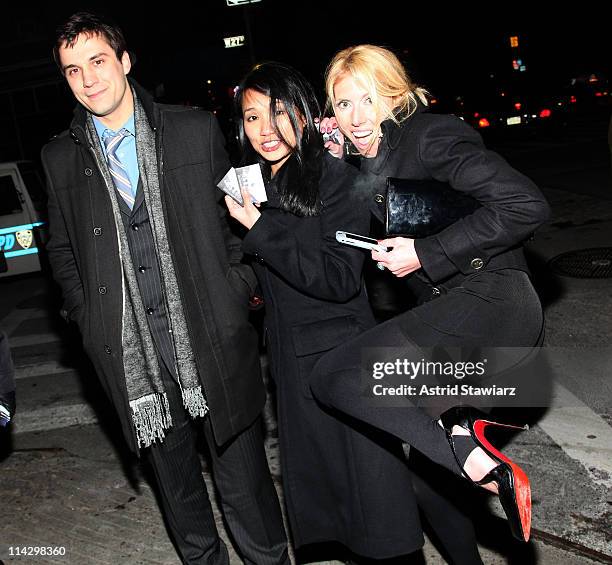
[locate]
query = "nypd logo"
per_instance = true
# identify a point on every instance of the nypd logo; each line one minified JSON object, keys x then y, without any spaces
{"x":25,"y":238}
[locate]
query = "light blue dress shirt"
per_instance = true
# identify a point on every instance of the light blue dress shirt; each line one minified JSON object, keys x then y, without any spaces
{"x":127,"y":148}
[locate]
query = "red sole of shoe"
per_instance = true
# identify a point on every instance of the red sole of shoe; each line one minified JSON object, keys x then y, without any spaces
{"x":522,"y":490}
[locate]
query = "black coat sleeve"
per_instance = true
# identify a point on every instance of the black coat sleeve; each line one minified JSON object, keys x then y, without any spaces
{"x":59,"y":249}
{"x":512,"y":205}
{"x":306,"y":254}
{"x":240,"y":273}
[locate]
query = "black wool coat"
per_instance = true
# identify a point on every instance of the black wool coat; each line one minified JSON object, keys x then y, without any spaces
{"x":446,"y":149}
{"x":473,"y":288}
{"x":214,"y":285}
{"x":341,"y":481}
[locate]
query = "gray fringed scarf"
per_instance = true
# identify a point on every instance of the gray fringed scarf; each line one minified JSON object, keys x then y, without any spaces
{"x":147,"y":397}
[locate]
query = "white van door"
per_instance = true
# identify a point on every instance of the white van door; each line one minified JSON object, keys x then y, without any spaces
{"x":18,"y":221}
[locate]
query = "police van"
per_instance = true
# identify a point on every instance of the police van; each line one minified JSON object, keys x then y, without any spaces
{"x":22,"y":218}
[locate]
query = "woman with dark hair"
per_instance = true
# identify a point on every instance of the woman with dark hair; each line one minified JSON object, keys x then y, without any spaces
{"x":341,"y":483}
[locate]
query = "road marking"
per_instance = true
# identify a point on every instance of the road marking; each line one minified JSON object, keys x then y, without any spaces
{"x":13,"y":320}
{"x":41,"y":369}
{"x":581,"y":433}
{"x":52,"y":418}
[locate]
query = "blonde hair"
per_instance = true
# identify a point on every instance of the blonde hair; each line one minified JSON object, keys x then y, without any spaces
{"x":381,"y":73}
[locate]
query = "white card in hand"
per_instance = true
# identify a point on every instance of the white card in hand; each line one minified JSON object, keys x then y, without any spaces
{"x":248,"y":177}
{"x":229,"y":185}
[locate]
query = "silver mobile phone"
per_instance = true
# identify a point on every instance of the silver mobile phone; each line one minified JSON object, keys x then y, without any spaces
{"x":361,"y":241}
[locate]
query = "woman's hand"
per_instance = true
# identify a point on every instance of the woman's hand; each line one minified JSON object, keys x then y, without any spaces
{"x":248,"y":214}
{"x":402,"y":259}
{"x":327,"y":125}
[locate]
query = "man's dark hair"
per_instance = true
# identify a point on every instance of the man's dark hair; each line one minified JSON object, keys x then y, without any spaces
{"x":88,"y":24}
{"x":298,"y":179}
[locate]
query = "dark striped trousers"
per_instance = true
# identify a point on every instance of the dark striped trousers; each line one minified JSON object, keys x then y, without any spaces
{"x":242,"y":478}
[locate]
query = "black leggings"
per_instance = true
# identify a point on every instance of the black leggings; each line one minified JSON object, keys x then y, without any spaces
{"x":499,"y":308}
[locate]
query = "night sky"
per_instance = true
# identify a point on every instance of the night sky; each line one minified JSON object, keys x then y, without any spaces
{"x":184,"y":40}
{"x":178,"y":47}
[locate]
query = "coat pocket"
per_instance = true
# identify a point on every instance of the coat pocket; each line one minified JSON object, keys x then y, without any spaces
{"x":313,"y":339}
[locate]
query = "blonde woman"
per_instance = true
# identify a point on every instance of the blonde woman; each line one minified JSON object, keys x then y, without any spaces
{"x":471,"y":278}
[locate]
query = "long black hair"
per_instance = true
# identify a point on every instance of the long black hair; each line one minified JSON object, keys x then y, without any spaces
{"x":298,"y":179}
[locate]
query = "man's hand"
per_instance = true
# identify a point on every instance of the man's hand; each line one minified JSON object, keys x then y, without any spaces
{"x":248,"y":214}
{"x":402,"y":259}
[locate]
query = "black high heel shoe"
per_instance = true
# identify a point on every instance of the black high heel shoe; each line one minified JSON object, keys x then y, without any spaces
{"x":512,"y":482}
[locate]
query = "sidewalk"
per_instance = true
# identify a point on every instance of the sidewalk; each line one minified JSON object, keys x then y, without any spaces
{"x":572,"y":469}
{"x":67,"y":488}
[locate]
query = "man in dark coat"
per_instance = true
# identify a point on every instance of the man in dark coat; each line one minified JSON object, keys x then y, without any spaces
{"x":152,"y":276}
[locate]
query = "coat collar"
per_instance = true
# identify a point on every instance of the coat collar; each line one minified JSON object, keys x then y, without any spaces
{"x":392,"y":137}
{"x":79,"y":120}
{"x":272,"y":194}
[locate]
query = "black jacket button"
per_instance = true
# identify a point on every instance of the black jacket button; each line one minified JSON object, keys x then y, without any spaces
{"x":102,"y":289}
{"x":435,"y":291}
{"x":134,"y":226}
{"x":150,"y":311}
{"x":107,"y":349}
{"x":88,"y":172}
{"x":142,"y":269}
{"x":379,"y":198}
{"x":97,"y":231}
{"x":477,"y":263}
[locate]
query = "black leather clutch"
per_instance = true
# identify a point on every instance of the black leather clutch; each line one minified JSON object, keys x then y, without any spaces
{"x":420,"y":208}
